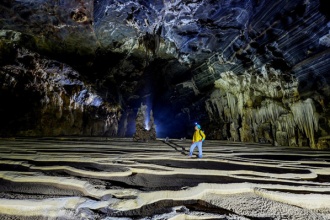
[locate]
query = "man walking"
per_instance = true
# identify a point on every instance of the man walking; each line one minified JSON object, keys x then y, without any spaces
{"x":197,"y":140}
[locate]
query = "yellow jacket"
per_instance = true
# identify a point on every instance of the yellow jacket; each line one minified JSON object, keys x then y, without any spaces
{"x":198,"y":136}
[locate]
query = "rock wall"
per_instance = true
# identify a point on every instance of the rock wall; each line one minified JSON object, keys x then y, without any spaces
{"x":267,"y":108}
{"x":268,"y":59}
{"x":43,"y":97}
{"x":270,"y":83}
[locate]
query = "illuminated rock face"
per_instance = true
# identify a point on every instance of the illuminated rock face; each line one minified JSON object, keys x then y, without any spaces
{"x":269,"y":108}
{"x":252,"y":71}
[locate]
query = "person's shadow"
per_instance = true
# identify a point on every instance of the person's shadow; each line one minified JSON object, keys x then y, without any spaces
{"x":178,"y":148}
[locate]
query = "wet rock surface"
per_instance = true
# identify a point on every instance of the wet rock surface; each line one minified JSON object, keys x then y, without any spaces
{"x":102,"y":178}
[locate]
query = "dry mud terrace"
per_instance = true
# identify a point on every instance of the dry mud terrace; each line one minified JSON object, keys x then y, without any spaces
{"x":102,"y":178}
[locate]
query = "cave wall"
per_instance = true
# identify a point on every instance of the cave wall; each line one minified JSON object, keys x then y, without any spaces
{"x":44,"y":97}
{"x":252,"y":71}
{"x":270,"y":83}
{"x":265,"y":108}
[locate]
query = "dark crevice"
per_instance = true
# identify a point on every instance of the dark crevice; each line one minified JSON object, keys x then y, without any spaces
{"x":165,"y":206}
{"x":31,"y":188}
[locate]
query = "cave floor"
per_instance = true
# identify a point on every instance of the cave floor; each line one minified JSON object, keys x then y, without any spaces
{"x":109,"y":178}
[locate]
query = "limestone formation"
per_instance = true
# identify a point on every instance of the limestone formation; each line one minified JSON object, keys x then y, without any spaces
{"x":260,"y":101}
{"x":144,"y":123}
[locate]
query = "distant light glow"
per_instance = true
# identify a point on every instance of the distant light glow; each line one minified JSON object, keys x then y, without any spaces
{"x":147,"y":113}
{"x":147,"y":127}
{"x":146,"y":121}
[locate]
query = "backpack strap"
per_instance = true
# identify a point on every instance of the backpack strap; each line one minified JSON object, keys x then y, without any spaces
{"x":201,"y":134}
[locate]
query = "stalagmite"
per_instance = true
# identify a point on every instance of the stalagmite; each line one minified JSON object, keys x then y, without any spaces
{"x":145,"y":127}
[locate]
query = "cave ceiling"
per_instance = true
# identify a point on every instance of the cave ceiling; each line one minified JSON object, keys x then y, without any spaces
{"x":169,"y":54}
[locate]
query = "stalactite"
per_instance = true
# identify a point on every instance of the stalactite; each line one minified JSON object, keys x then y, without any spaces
{"x":287,"y":124}
{"x":255,"y":131}
{"x":262,"y":98}
{"x":209,"y":110}
{"x":232,"y":103}
{"x":251,"y":115}
{"x":107,"y":123}
{"x":240,"y":103}
{"x":306,"y":118}
{"x":218,"y":103}
{"x":269,"y":111}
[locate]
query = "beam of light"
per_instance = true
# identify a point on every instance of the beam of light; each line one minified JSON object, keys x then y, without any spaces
{"x":147,"y":118}
{"x":147,"y":113}
{"x":146,"y":122}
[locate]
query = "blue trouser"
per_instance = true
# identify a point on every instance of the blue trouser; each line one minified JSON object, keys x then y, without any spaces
{"x":192,"y":147}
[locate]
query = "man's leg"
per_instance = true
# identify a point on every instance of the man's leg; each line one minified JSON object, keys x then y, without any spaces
{"x":200,"y":152}
{"x":192,"y":147}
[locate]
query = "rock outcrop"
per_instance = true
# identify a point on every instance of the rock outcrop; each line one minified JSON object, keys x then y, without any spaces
{"x":49,"y":98}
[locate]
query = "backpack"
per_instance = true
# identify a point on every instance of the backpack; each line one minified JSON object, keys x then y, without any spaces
{"x":204,"y":136}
